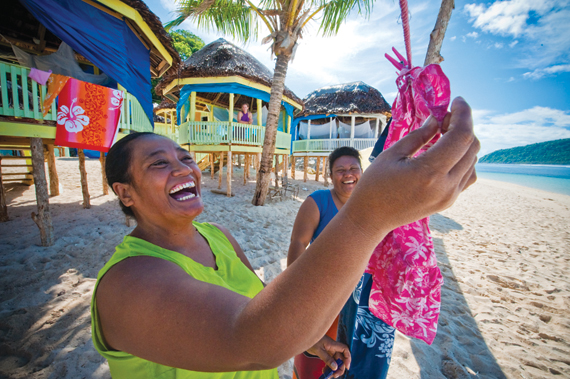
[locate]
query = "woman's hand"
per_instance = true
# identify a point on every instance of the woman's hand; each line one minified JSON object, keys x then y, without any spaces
{"x":398,"y":188}
{"x":329,"y":351}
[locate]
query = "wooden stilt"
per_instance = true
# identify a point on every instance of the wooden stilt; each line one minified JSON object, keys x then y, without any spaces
{"x":84,"y":187}
{"x":305,"y":167}
{"x":221,"y":170}
{"x":104,"y":174}
{"x":318,"y":169}
{"x":53,"y":178}
{"x":3,"y":207}
{"x":231,"y":163}
{"x":212,"y":165}
{"x":247,"y":164}
{"x":229,"y":174}
{"x":326,"y":172}
{"x":293,"y":162}
{"x":43,"y":217}
{"x":285,"y":165}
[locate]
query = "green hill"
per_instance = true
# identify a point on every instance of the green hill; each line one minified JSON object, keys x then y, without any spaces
{"x":551,"y":152}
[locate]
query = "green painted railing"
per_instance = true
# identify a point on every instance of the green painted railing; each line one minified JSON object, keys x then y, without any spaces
{"x":221,"y":132}
{"x":166,"y":130}
{"x":133,"y":116}
{"x":21,"y":96}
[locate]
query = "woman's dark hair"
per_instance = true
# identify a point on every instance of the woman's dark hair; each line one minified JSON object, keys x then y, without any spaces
{"x":118,"y":162}
{"x":341,"y":152}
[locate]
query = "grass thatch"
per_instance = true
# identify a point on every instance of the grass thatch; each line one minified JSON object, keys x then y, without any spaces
{"x":350,"y":98}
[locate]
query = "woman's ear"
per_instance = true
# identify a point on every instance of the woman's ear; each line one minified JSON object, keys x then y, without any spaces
{"x":123,"y":191}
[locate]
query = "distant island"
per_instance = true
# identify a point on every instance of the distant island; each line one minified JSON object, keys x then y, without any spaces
{"x":551,"y":152}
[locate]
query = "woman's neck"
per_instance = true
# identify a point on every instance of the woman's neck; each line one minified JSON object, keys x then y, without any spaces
{"x":339,"y":201}
{"x":173,"y":237}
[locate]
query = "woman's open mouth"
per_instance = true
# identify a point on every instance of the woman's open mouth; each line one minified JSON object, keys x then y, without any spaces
{"x":185,"y":191}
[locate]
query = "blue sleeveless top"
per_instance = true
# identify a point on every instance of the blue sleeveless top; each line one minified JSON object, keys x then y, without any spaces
{"x":327,"y":209}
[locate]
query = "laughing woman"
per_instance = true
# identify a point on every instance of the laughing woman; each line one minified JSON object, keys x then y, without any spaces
{"x":179,"y":299}
{"x":370,"y":341}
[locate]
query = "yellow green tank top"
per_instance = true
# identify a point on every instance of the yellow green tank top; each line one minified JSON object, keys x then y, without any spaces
{"x":231,"y":274}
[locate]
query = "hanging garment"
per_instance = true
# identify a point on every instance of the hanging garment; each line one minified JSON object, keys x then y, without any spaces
{"x":87,"y":116}
{"x":406,"y":288}
{"x":39,"y":76}
{"x":55,"y":84}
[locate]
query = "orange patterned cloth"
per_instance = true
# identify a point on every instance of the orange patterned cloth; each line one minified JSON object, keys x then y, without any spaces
{"x":87,"y":115}
{"x":55,"y":84}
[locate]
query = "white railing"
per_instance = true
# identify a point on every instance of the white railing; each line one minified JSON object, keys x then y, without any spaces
{"x":328,"y":145}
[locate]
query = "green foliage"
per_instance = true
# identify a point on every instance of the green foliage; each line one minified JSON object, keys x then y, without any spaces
{"x":186,"y":43}
{"x":551,"y":152}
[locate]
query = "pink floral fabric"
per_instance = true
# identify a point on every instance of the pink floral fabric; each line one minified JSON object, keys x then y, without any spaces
{"x":406,"y":288}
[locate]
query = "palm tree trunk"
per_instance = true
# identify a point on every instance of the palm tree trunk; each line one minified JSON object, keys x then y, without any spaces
{"x":264,"y":173}
{"x":436,"y":37}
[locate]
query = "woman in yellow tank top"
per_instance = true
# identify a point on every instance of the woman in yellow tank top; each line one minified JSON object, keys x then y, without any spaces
{"x":179,"y":299}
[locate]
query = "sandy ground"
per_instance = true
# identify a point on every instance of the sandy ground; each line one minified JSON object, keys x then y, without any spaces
{"x":503,"y":250}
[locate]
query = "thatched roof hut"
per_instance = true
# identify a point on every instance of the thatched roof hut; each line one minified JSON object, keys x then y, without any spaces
{"x":221,"y":59}
{"x":165,"y":104}
{"x":21,"y":28}
{"x":348,"y":99}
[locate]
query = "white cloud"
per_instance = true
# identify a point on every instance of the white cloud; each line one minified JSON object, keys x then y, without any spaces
{"x":498,"y":45}
{"x":169,"y":5}
{"x":453,"y":38}
{"x":541,"y":72}
{"x":533,"y":125}
{"x":473,"y":35}
{"x":543,"y":25}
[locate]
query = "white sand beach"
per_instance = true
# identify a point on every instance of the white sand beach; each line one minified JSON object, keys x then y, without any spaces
{"x":504,"y":251}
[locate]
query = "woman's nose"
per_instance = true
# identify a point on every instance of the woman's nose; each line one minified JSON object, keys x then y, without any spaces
{"x":181,"y":168}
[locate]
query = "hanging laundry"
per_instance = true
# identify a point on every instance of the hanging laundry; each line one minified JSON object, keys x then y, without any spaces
{"x":55,"y":84}
{"x":406,"y":288}
{"x":88,"y":115}
{"x":39,"y":76}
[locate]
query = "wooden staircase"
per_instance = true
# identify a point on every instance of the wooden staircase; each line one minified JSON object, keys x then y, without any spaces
{"x":19,"y":167}
{"x":204,"y":163}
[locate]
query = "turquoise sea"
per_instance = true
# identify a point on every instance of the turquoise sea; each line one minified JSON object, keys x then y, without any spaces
{"x":550,"y":178}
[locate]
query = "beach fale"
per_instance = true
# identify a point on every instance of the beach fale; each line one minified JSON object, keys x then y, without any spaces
{"x":351,"y":114}
{"x":209,"y":89}
{"x":122,"y":39}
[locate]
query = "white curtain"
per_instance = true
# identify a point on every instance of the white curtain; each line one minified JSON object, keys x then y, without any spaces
{"x":318,"y":131}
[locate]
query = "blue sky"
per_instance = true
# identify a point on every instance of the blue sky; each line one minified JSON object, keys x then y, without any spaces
{"x":509,"y":59}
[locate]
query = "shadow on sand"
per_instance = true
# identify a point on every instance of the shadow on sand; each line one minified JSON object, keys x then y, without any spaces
{"x":459,"y":347}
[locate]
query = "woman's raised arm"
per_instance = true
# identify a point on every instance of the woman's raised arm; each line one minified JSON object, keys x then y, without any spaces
{"x":166,"y":316}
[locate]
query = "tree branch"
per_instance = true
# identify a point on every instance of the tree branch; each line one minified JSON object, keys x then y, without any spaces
{"x":436,"y":37}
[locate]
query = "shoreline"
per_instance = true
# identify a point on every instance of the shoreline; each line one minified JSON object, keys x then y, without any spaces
{"x":503,"y":249}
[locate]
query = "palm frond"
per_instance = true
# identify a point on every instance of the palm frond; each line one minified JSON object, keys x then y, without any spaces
{"x":335,"y":12}
{"x":234,"y":18}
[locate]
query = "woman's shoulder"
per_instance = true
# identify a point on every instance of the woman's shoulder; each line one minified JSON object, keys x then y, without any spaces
{"x":320,"y":195}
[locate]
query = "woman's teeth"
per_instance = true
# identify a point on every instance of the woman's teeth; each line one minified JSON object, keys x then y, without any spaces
{"x":182,"y":186}
{"x":189,"y":196}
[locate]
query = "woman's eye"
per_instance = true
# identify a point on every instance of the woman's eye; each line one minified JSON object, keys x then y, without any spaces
{"x":160,"y":163}
{"x":187,"y":159}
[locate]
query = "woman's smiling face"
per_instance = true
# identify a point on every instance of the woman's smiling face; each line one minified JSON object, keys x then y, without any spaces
{"x":165,"y":180}
{"x":345,"y":174}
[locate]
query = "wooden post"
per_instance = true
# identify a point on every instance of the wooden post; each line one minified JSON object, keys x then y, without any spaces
{"x":305,"y":167}
{"x":53,"y":178}
{"x":229,"y":174}
{"x":259,"y":112}
{"x":293,"y":160}
{"x":248,"y":161}
{"x":84,"y":188}
{"x":326,"y":172}
{"x":104,"y":174}
{"x":318,"y":169}
{"x":245,"y":169}
{"x":221,"y":170}
{"x":212,"y":165}
{"x":3,"y":207}
{"x":192,"y":106}
{"x":43,"y":217}
{"x":436,"y":36}
{"x":352,"y":125}
{"x":285,"y":165}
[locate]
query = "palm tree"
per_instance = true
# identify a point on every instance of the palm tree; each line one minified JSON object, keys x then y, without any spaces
{"x":286,"y":21}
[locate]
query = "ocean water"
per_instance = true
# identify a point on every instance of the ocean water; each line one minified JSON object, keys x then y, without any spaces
{"x":551,"y":178}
